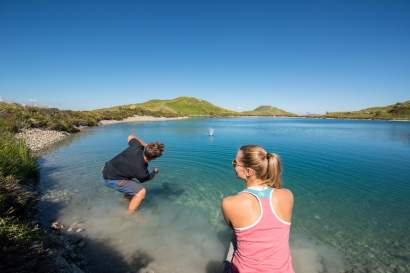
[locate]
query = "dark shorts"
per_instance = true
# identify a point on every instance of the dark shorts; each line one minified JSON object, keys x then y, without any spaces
{"x":128,"y":187}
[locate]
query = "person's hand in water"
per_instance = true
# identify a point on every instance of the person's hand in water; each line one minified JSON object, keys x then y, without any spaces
{"x":156,"y":170}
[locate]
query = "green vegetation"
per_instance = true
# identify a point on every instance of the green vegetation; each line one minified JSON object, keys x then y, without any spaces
{"x":15,"y":159}
{"x":398,"y":111}
{"x":22,"y":243}
{"x":266,"y":110}
{"x":181,"y":106}
{"x":15,"y":117}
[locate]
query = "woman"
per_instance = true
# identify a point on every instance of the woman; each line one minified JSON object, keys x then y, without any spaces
{"x":260,"y":215}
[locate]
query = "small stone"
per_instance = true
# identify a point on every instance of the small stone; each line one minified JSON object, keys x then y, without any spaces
{"x":56,"y":226}
{"x":146,"y":270}
{"x":79,"y":230}
{"x":81,"y":244}
{"x":76,"y":269}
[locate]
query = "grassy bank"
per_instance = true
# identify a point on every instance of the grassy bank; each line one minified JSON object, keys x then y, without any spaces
{"x":15,"y":117}
{"x":23,"y":243}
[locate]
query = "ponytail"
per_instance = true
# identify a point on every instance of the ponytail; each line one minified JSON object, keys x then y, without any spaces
{"x":273,"y":171}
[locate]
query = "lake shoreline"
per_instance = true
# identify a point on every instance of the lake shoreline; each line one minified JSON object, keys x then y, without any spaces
{"x":39,"y":139}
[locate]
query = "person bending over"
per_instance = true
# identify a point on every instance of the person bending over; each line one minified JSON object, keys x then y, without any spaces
{"x":132,"y":163}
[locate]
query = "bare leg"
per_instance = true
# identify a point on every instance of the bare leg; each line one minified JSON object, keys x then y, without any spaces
{"x":136,"y":201}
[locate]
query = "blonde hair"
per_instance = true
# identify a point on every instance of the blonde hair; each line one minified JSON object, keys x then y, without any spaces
{"x":267,"y":166}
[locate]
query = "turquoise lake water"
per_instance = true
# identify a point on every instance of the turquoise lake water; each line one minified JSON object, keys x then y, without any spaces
{"x":351,"y":181}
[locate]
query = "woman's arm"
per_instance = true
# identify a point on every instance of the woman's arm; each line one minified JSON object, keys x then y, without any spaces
{"x":226,"y":208}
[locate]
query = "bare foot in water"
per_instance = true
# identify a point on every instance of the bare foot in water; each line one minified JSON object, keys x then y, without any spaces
{"x":127,"y":197}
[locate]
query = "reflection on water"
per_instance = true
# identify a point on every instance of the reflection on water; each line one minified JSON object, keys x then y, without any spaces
{"x":350,"y":180}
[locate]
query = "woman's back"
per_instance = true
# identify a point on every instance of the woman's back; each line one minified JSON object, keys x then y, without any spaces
{"x":262,"y":236}
{"x":260,"y":215}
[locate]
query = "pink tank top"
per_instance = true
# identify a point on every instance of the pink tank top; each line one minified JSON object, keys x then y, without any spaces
{"x":263,"y":247}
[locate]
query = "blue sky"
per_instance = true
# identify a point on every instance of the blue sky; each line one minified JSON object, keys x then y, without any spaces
{"x":301,"y":56}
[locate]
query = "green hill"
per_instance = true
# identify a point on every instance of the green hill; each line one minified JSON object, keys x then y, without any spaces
{"x":400,"y":110}
{"x":181,"y":106}
{"x":266,"y":110}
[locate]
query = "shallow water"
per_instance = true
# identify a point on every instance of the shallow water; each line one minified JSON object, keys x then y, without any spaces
{"x":351,"y":181}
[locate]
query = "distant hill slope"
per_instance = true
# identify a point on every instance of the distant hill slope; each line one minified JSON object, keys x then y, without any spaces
{"x":266,"y":110}
{"x":181,"y":106}
{"x":400,"y":110}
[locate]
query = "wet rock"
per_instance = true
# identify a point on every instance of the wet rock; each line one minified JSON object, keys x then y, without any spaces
{"x":76,"y":269}
{"x":56,"y":196}
{"x":73,"y":255}
{"x":61,"y":262}
{"x":81,"y":244}
{"x":146,"y":270}
{"x":57,"y":226}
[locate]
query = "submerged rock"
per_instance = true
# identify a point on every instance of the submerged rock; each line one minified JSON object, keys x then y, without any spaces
{"x":146,"y":270}
{"x":57,"y":226}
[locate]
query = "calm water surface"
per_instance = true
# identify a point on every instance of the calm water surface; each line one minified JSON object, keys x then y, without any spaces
{"x":351,"y":181}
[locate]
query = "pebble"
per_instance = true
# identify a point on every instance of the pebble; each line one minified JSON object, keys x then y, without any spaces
{"x":146,"y":270}
{"x":57,"y":226}
{"x":56,"y":196}
{"x":81,"y":244}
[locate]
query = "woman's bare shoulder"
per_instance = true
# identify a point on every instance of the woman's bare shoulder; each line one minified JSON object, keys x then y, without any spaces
{"x":283,"y":195}
{"x":237,"y":201}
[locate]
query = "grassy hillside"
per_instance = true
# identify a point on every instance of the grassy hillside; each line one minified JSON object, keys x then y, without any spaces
{"x":266,"y":110}
{"x":400,"y":110}
{"x":181,"y":106}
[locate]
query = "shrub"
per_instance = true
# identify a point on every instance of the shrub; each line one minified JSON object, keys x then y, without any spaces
{"x":15,"y":159}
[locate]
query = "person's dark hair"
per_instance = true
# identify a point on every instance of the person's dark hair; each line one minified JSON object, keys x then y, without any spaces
{"x":153,"y":150}
{"x":267,"y":166}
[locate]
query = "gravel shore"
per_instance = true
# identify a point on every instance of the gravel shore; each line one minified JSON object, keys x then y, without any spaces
{"x":139,"y":118}
{"x":38,"y":139}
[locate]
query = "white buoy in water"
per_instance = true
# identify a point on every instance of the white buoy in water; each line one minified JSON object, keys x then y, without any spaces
{"x":211,"y":132}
